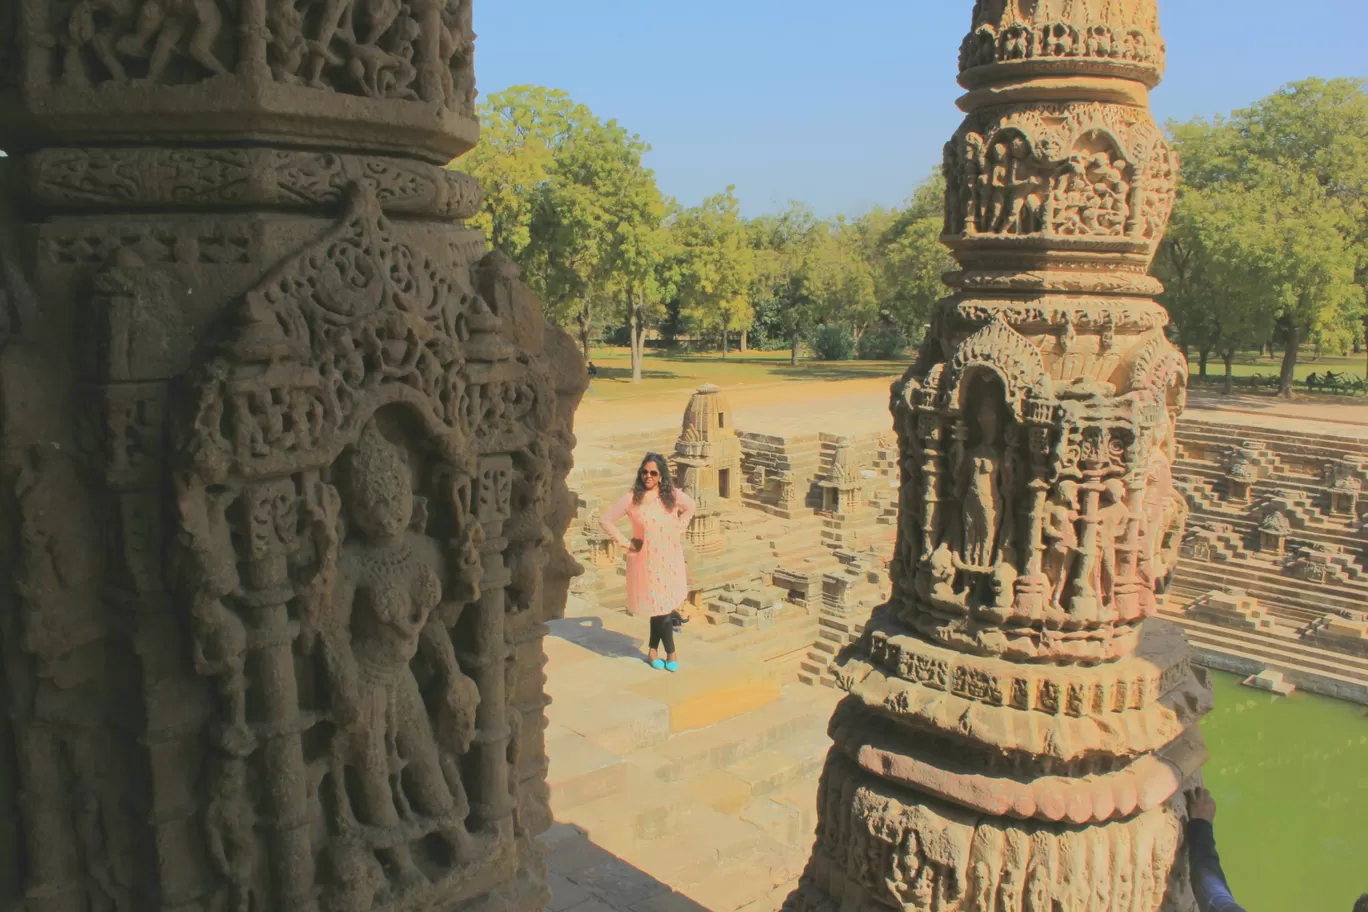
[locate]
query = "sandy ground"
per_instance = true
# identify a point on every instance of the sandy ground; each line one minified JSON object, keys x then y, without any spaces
{"x":861,"y":406}
{"x":845,"y":406}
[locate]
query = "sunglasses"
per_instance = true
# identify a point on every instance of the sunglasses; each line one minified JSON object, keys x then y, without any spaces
{"x":650,"y":473}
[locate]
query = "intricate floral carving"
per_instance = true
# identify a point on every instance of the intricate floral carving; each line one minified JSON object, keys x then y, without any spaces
{"x":1018,"y":726}
{"x":329,"y":470}
{"x":275,"y":177}
{"x":279,"y":547}
{"x":408,"y":50}
{"x":375,"y":320}
{"x":1085,"y":171}
{"x":1009,"y":355}
{"x":1068,"y":31}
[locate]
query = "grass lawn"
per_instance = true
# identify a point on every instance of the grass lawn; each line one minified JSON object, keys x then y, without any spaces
{"x":670,"y":371}
{"x":673,"y":371}
{"x":1250,"y":364}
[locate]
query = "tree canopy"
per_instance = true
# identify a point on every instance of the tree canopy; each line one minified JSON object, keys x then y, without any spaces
{"x":569,"y":198}
{"x":1268,"y":244}
{"x":1270,"y":233}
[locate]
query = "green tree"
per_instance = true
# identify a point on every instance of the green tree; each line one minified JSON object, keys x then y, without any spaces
{"x":1211,"y":265}
{"x":1291,"y":165}
{"x":784,"y":247}
{"x":907,"y":257}
{"x":523,"y":129}
{"x":716,"y":266}
{"x":841,"y":276}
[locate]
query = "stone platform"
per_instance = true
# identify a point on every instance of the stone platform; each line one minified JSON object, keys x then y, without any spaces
{"x":705,"y":778}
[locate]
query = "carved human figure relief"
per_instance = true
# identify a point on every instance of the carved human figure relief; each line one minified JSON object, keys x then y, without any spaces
{"x":385,"y":596}
{"x":984,"y":502}
{"x":127,"y":40}
{"x":1113,"y":520}
{"x":1061,"y":534}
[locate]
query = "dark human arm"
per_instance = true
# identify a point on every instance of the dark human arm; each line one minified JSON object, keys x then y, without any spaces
{"x":1208,"y":880}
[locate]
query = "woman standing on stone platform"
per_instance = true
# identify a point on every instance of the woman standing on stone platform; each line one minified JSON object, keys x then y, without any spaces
{"x":657,"y":584}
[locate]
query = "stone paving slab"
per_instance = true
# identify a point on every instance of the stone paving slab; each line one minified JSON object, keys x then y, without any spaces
{"x":722,"y":791}
{"x":623,"y":724}
{"x":702,"y":697}
{"x":662,"y":820}
{"x":580,"y":770}
{"x":639,"y":808}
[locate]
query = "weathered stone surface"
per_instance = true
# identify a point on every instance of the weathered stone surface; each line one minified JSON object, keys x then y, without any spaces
{"x":707,"y":460}
{"x":282,"y":464}
{"x":1017,"y":733}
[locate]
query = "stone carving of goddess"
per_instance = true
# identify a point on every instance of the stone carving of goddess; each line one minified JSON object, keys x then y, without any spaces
{"x":1061,"y":514}
{"x":385,"y":594}
{"x":1112,"y":522}
{"x":983,"y":496}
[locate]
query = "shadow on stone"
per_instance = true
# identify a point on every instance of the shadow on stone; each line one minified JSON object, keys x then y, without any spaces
{"x":585,"y":877}
{"x":590,"y":633}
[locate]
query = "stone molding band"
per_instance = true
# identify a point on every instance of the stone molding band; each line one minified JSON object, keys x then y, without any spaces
{"x":204,"y":178}
{"x":1142,"y":786}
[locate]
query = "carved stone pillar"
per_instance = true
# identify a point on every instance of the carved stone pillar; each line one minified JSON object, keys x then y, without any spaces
{"x":283,"y":454}
{"x":1017,"y":732}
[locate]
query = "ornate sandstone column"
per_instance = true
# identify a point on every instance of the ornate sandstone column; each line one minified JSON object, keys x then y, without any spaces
{"x":282,"y":468}
{"x":1017,"y":734}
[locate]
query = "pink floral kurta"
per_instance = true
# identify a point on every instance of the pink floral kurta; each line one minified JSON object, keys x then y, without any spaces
{"x":656,"y":579}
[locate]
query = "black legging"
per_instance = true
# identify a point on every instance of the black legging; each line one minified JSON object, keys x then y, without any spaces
{"x":662,"y":631}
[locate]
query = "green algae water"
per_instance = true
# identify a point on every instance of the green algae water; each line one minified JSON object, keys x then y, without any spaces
{"x":1290,"y":777}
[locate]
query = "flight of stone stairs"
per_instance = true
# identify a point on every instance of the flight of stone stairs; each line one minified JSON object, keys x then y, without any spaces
{"x":1322,"y":571}
{"x":725,"y":753}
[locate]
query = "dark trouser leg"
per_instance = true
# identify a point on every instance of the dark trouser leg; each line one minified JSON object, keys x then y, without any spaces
{"x":655,"y":633}
{"x":665,"y":635}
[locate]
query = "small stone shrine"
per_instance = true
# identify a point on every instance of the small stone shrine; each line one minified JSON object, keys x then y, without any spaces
{"x":708,"y":464}
{"x":283,"y":452}
{"x":841,"y":487}
{"x":1017,"y":734}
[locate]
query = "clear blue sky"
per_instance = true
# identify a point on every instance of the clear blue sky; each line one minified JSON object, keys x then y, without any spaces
{"x":845,"y":104}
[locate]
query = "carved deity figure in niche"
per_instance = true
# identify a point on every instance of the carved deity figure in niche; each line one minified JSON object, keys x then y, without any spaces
{"x":230,"y":830}
{"x":1061,"y":533}
{"x":137,"y":322}
{"x":984,"y":488}
{"x":74,"y":828}
{"x":386,"y":595}
{"x":1014,"y":189}
{"x":936,"y":582}
{"x":1112,"y":522}
{"x":1158,"y":491}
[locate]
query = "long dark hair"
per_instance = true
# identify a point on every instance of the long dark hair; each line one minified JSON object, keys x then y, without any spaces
{"x":666,"y":489}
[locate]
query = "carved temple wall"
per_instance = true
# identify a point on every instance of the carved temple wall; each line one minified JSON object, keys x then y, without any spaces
{"x":283,"y":453}
{"x":1018,"y":732}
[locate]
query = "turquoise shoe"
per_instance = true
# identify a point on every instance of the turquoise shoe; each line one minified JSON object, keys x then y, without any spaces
{"x":672,"y":666}
{"x":658,"y":664}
